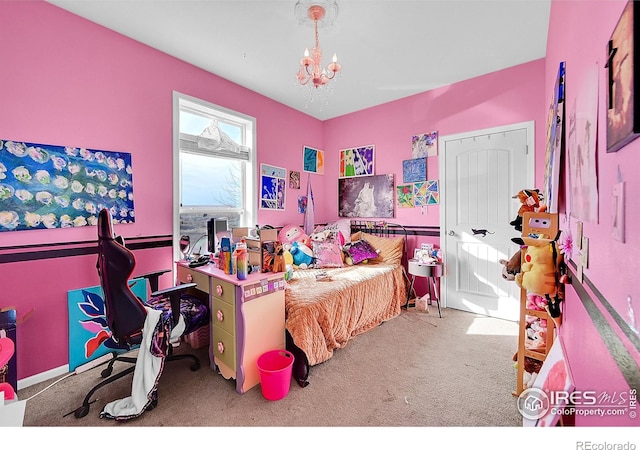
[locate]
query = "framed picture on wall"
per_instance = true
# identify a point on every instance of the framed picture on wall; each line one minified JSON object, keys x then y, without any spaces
{"x":356,"y":162}
{"x":272,"y":187}
{"x":366,"y":196}
{"x":313,"y":160}
{"x":623,"y":124}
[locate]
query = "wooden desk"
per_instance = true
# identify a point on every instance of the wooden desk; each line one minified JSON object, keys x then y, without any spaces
{"x":430,"y":271}
{"x":247,"y":319}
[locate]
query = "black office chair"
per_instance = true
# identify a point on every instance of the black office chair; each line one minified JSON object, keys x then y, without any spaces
{"x":126,"y":314}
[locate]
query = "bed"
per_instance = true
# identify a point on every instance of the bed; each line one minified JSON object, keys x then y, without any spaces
{"x":328,"y":306}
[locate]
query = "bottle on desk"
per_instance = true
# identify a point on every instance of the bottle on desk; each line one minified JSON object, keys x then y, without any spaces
{"x":242,"y":260}
{"x":224,"y":261}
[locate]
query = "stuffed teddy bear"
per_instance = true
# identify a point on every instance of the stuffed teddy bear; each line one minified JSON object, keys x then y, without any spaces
{"x":302,"y":255}
{"x":540,"y":272}
{"x":531,"y":200}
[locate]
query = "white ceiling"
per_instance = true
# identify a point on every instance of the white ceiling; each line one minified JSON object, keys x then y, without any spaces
{"x":388,"y":49}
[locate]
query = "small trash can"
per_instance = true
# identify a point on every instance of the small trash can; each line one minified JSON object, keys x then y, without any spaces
{"x":275,"y":369}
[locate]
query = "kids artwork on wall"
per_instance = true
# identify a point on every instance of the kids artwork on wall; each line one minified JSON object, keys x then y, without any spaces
{"x":89,"y":334}
{"x":357,"y":162}
{"x":48,"y":186}
{"x":313,"y":160}
{"x":404,"y":195}
{"x":414,"y":170}
{"x":426,"y":193}
{"x":294,"y":179}
{"x":272,"y":187}
{"x":582,"y":110}
{"x":423,"y":145}
{"x":371,"y":196}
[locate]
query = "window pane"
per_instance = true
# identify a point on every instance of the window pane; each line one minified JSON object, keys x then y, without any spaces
{"x":193,"y":123}
{"x":210,"y":181}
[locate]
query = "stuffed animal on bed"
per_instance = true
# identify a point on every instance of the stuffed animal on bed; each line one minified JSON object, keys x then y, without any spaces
{"x":293,"y":233}
{"x":302,"y":255}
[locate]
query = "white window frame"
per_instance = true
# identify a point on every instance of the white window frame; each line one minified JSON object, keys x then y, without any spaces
{"x":249,"y":213}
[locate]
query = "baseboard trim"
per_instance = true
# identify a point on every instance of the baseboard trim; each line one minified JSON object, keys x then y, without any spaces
{"x":43,"y":376}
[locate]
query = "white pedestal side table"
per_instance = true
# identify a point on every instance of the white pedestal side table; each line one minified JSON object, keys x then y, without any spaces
{"x":430,"y":271}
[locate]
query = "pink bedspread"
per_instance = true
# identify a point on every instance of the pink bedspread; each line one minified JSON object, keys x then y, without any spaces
{"x":323,"y":315}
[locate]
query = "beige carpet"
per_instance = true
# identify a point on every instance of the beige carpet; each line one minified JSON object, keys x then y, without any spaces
{"x":417,"y":370}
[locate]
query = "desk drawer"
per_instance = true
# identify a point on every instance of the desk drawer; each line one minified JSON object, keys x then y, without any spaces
{"x":226,"y":312}
{"x":224,"y":290}
{"x":200,"y":279}
{"x":224,"y":347}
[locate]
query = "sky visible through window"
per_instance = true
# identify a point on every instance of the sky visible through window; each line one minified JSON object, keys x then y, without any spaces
{"x":208,"y":181}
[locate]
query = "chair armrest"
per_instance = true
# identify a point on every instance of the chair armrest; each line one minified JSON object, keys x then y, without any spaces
{"x":174,"y":293}
{"x":153,"y":278}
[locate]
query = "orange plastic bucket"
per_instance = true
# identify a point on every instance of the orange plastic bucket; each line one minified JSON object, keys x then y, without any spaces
{"x":275,"y":369}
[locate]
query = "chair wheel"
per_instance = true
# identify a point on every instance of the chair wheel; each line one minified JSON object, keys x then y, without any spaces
{"x":81,"y":412}
{"x":106,"y":372}
{"x":195,"y":366}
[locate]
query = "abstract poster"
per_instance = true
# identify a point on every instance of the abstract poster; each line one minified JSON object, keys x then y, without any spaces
{"x":89,"y":334}
{"x":414,"y":170}
{"x":294,"y":179}
{"x":48,"y":186}
{"x":313,"y":160}
{"x":420,"y":193}
{"x":302,"y":204}
{"x":433,"y":192}
{"x":371,"y":196}
{"x":423,"y":145}
{"x":356,"y":162}
{"x":272,"y":187}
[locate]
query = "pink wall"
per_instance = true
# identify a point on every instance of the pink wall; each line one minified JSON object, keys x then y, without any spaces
{"x":72,"y":82}
{"x":506,"y":97}
{"x":68,"y":81}
{"x":578,"y":34}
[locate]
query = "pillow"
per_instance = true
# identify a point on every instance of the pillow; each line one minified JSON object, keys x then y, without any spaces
{"x":389,"y":249}
{"x":361,"y":250}
{"x":343,"y":226}
{"x":327,"y":254}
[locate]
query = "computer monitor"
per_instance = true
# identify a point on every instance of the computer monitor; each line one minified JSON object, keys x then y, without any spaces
{"x":214,"y":228}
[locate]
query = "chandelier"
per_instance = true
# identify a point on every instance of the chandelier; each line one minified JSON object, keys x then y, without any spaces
{"x":316,"y":13}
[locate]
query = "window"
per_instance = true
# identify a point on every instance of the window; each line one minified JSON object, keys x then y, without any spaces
{"x":214,"y":169}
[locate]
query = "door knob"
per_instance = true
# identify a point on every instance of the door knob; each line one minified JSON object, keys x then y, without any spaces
{"x":452,"y":233}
